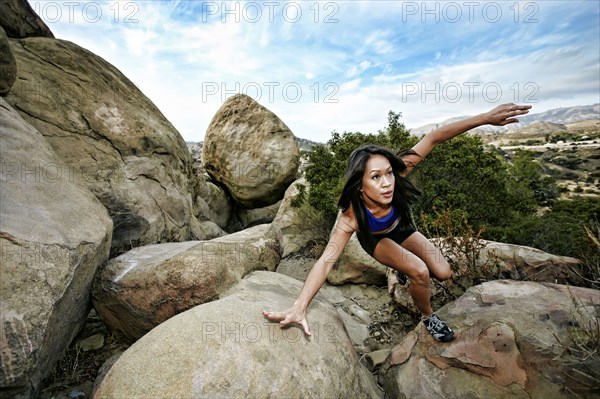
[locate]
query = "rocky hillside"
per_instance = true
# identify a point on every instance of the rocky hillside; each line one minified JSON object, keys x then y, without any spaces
{"x":569,"y":152}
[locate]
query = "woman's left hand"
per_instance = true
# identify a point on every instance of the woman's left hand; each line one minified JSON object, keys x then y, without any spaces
{"x":505,"y":114}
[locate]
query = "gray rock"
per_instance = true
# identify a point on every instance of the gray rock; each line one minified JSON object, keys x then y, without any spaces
{"x":19,"y":20}
{"x":244,"y":218}
{"x":511,"y":341}
{"x":54,"y":234}
{"x":360,"y":313}
{"x":375,"y":359}
{"x":8,"y":65}
{"x":296,"y":233}
{"x":251,"y":151}
{"x":226,"y":348}
{"x":110,"y":135}
{"x":142,"y":288}
{"x":211,"y":201}
{"x":357,"y":331}
{"x":356,"y":266}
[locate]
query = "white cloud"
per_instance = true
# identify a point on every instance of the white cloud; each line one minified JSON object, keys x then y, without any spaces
{"x":187,"y":60}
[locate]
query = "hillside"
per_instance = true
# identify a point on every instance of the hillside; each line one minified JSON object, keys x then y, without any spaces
{"x":569,"y":152}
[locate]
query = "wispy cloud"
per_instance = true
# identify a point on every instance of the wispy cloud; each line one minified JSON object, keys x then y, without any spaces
{"x":342,"y":65}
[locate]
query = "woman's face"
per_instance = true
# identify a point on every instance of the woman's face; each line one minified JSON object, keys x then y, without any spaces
{"x":378,"y":181}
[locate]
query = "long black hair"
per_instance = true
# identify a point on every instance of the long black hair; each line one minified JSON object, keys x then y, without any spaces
{"x":405,"y":193}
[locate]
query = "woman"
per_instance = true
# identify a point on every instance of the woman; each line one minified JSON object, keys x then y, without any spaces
{"x":375,"y":204}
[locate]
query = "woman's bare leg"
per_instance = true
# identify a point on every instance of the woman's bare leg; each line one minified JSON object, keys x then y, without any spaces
{"x":395,"y":256}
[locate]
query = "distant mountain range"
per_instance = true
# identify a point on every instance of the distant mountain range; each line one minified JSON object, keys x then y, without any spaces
{"x":557,"y":116}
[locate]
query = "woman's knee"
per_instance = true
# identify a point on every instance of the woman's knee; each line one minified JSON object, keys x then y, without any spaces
{"x":419,"y":273}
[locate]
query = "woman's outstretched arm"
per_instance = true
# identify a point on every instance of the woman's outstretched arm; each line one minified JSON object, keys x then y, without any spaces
{"x":499,"y":116}
{"x":316,"y":278}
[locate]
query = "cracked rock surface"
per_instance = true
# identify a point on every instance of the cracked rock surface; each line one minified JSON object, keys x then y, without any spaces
{"x":112,"y":138}
{"x":506,"y":346}
{"x":54,"y":234}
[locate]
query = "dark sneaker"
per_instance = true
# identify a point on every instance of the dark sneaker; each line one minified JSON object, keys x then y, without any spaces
{"x":402,"y":278}
{"x":438,"y":328}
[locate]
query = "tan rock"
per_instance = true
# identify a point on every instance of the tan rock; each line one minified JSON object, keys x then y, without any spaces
{"x":227,"y":349}
{"x":513,"y":344}
{"x":110,"y":135}
{"x":54,"y":234}
{"x":251,"y":151}
{"x":19,"y":20}
{"x":8,"y":65}
{"x":296,"y":233}
{"x":142,"y":288}
{"x":356,"y":266}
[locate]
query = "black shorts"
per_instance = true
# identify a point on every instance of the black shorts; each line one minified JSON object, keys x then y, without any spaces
{"x":398,"y":234}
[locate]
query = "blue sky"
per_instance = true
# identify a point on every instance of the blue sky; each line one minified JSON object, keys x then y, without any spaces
{"x":342,"y":65}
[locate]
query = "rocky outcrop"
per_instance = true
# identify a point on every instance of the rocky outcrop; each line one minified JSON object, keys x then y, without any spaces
{"x":295,"y":232}
{"x":251,"y":151}
{"x":111,"y":136}
{"x":19,"y":20}
{"x":142,"y":288}
{"x":8,"y":65}
{"x":356,"y":266}
{"x":244,"y":218}
{"x":514,"y":339}
{"x":227,"y":349}
{"x":53,"y":236}
{"x":521,"y":262}
{"x":211,"y":201}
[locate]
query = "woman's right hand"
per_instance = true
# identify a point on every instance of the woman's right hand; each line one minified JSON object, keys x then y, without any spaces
{"x":290,"y":316}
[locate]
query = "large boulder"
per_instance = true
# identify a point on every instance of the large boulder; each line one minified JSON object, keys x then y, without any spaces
{"x":227,"y":349}
{"x":111,"y":136}
{"x":513,"y":339}
{"x":142,"y":288}
{"x":19,"y":20}
{"x":251,"y":151}
{"x":53,"y":236}
{"x":8,"y":65}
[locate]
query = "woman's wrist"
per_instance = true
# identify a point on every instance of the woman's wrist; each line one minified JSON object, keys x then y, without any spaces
{"x":481,"y":119}
{"x":300,"y":305}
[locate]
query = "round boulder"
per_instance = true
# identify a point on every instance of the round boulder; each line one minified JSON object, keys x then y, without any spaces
{"x":226,"y":349}
{"x":251,"y":151}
